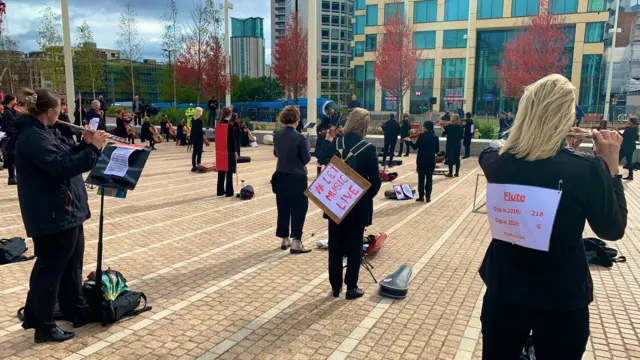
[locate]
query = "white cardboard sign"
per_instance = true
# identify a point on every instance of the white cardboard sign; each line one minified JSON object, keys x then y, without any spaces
{"x":522,"y":215}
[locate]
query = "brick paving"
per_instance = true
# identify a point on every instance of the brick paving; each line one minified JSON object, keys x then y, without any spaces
{"x":221,"y":288}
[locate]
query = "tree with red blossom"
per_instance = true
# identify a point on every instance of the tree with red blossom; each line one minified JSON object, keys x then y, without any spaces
{"x":290,"y":58}
{"x":215,"y":77}
{"x":534,"y":53}
{"x":396,"y":59}
{"x":190,"y":65}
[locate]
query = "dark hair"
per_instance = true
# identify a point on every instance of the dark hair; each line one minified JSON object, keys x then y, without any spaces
{"x":428,"y":125}
{"x":392,"y":116}
{"x":634,"y":120}
{"x":289,"y":115}
{"x":40,"y":101}
{"x":7,"y":99}
{"x":468,"y":115}
{"x":225,"y":113}
{"x":234,"y":117}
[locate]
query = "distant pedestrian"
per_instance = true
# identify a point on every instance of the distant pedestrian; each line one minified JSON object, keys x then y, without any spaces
{"x":468,"y":135}
{"x":391,"y":131}
{"x":354,"y":103}
{"x":579,"y":115}
{"x":212,"y":106}
{"x":405,"y":130}
{"x":138,"y":108}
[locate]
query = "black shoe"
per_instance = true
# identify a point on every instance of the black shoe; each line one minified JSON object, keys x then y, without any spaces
{"x":194,"y":169}
{"x":399,"y":155}
{"x":12,"y":181}
{"x":228,"y":195}
{"x":630,"y":177}
{"x":420,"y":200}
{"x":53,"y":335}
{"x":354,"y":293}
{"x":466,"y":157}
{"x":449,"y":175}
{"x":457,"y":175}
{"x":336,"y":293}
{"x":406,"y":155}
{"x":428,"y":200}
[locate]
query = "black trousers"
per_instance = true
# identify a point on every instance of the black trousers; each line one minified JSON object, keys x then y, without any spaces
{"x":56,"y":277}
{"x":556,"y":335}
{"x":453,"y":158}
{"x":467,"y":150}
{"x":425,"y":184}
{"x":345,"y":239}
{"x":389,"y":149}
{"x":292,"y":211}
{"x":628,"y":156}
{"x":196,"y":155}
{"x":404,"y":143}
{"x":11,"y":169}
{"x":137,"y":119}
{"x":225,"y":177}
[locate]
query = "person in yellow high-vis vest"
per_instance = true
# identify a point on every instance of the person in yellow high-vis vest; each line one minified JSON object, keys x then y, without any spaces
{"x":189,"y":114}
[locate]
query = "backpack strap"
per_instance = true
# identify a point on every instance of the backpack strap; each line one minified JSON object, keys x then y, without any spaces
{"x":352,"y":154}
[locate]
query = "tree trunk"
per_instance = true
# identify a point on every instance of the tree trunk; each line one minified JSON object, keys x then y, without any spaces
{"x":133,"y":85}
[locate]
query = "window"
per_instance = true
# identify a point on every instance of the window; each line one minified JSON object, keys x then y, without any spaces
{"x":594,"y":32}
{"x":360,"y":21}
{"x":425,"y":40}
{"x":334,"y":47}
{"x":358,"y":50}
{"x":359,"y":73}
{"x":591,"y":84}
{"x":452,"y":83}
{"x":422,"y":88}
{"x":456,"y":10}
{"x":325,"y":60}
{"x":597,"y":5}
{"x":425,"y":11}
{"x":325,"y":19}
{"x":325,"y":5}
{"x":424,"y":69}
{"x":335,"y":6}
{"x":342,"y":47}
{"x":490,"y":9}
{"x":334,"y":60}
{"x":370,"y":42}
{"x":563,"y":6}
{"x":369,"y":98}
{"x":325,"y":46}
{"x":334,"y":73}
{"x":372,"y":15}
{"x":324,"y":72}
{"x":325,"y":34}
{"x":454,"y":39}
{"x":525,"y":7}
{"x":335,"y":34}
{"x":335,"y":20}
{"x":360,"y":4}
{"x":393,"y":9}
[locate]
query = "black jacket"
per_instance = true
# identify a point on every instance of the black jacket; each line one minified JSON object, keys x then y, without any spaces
{"x":51,"y":190}
{"x":354,"y":104}
{"x":468,"y":132}
{"x":365,"y":164}
{"x":145,"y":132}
{"x":325,"y":125}
{"x":121,"y":128}
{"x":92,"y":114}
{"x":558,"y":280}
{"x":391,"y":130}
{"x":454,"y":134}
{"x":8,"y":145}
{"x":8,"y":119}
{"x":428,"y":145}
{"x":238,"y":132}
{"x":292,"y":150}
{"x":629,"y":139}
{"x":212,"y":105}
{"x":197,"y":134}
{"x":66,"y":131}
{"x":405,"y":129}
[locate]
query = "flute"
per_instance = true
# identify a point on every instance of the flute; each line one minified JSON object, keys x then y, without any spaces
{"x":81,"y":128}
{"x":588,"y":135}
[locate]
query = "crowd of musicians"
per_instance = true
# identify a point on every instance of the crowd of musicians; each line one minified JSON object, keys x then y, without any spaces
{"x":528,"y":290}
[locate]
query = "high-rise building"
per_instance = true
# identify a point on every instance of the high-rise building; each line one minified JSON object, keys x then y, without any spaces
{"x":268,"y":72}
{"x":278,"y":20}
{"x":440,"y":34}
{"x":247,"y":47}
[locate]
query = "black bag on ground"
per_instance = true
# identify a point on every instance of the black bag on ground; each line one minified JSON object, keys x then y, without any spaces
{"x":599,"y":254}
{"x":246,"y":193}
{"x":243,"y":159}
{"x":396,"y":285}
{"x":11,"y":250}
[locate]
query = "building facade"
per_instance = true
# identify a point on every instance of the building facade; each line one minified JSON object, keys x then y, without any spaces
{"x":441,"y":28}
{"x":278,"y":20}
{"x":247,"y":47}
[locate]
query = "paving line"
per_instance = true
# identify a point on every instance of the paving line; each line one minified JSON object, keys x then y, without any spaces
{"x":383,"y":304}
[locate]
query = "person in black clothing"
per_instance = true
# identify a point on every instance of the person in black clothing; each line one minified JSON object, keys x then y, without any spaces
{"x":346,"y":238}
{"x":8,"y":145}
{"x":225,"y":178}
{"x":428,"y":145}
{"x":197,"y":139}
{"x":468,"y":135}
{"x":181,"y":135}
{"x":289,"y":181}
{"x":79,"y":115}
{"x":454,"y":133}
{"x":65,"y":131}
{"x":237,"y":130}
{"x":548,"y":292}
{"x":505,"y":124}
{"x":405,"y":129}
{"x":322,"y":130}
{"x":354,"y":103}
{"x":629,"y":139}
{"x":121,"y":124}
{"x":146,"y":134}
{"x":446,"y":116}
{"x":138,"y":109}
{"x":53,"y":203}
{"x":103,"y":107}
{"x":212,"y":106}
{"x":391,"y":131}
{"x":94,"y":113}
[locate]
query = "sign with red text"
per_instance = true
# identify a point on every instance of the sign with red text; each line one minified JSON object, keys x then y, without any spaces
{"x":522,"y":215}
{"x":337,"y":189}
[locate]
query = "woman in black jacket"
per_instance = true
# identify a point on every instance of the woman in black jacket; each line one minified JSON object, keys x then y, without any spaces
{"x":146,"y":133}
{"x":237,"y":130}
{"x":537,"y":275}
{"x":66,"y":131}
{"x":405,"y":130}
{"x":53,"y":203}
{"x":468,"y":135}
{"x":8,"y":145}
{"x":629,"y":139}
{"x":121,"y":124}
{"x":197,"y":139}
{"x":225,"y":178}
{"x":346,"y":238}
{"x":428,"y":145}
{"x":321,"y":130}
{"x":289,"y":182}
{"x":454,"y":133}
{"x":181,"y":135}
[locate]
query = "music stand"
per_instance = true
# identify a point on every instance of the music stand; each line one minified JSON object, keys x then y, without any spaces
{"x":476,"y":209}
{"x":118,"y":185}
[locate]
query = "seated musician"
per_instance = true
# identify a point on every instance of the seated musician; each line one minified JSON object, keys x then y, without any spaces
{"x":121,"y":124}
{"x":181,"y":136}
{"x":164,"y":127}
{"x":146,"y":133}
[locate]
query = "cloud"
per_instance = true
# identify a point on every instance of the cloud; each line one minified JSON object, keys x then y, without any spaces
{"x":22,"y":20}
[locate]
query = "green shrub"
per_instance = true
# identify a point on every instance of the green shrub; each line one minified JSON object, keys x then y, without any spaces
{"x":487,"y":129}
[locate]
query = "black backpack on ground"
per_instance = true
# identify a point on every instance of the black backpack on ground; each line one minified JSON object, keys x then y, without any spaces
{"x":246,"y":193}
{"x":12,"y":250}
{"x":599,"y":254}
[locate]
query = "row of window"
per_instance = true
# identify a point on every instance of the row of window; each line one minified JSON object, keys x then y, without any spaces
{"x":337,"y":7}
{"x":336,"y":20}
{"x":335,"y":47}
{"x":334,"y":60}
{"x":337,"y":34}
{"x":334,"y":73}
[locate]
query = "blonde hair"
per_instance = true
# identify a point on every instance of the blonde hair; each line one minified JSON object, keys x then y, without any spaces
{"x":455,"y":119}
{"x":358,"y":122}
{"x":546,"y":112}
{"x":197,"y":113}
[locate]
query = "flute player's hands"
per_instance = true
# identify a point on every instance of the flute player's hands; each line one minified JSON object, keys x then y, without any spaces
{"x":574,"y":142}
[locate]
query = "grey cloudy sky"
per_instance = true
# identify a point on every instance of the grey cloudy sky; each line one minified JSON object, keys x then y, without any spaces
{"x":22,"y":23}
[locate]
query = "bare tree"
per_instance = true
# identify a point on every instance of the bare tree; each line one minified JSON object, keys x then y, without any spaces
{"x":89,"y":65}
{"x":129,"y":39}
{"x":50,"y":63}
{"x":171,"y":41}
{"x":9,"y":58}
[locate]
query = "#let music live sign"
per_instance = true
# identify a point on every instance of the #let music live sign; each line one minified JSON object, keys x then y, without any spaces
{"x":337,"y":189}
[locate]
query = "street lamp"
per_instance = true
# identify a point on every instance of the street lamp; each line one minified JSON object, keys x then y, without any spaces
{"x":312,"y":63}
{"x":68,"y":60}
{"x":173,"y":71}
{"x":227,"y":43}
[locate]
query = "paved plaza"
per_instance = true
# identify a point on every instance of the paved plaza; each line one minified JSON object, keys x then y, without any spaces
{"x":222,"y":289}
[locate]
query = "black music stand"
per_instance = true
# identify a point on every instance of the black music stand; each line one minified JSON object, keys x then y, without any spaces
{"x":120,"y":184}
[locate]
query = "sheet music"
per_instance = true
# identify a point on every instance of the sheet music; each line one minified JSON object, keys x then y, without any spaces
{"x":119,"y":163}
{"x":2,"y":134}
{"x":93,"y":123}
